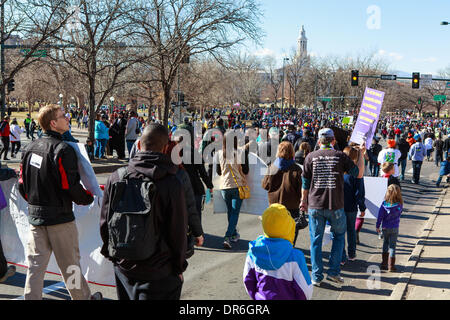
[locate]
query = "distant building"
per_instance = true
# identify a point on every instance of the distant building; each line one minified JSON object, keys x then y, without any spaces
{"x":302,"y":47}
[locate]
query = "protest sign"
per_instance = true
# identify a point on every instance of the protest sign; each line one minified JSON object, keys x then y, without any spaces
{"x":366,"y":124}
{"x":14,"y":228}
{"x":375,"y":190}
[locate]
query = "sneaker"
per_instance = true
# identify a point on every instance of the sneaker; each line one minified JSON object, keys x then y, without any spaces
{"x":235,"y":238}
{"x":316,"y":283}
{"x":9,"y":273}
{"x":337,"y":279}
{"x":97,"y":296}
{"x":227,"y":243}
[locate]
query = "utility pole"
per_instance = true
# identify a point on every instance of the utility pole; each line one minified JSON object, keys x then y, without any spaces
{"x":2,"y":58}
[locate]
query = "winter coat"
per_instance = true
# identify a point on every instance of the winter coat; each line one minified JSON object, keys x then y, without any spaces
{"x":284,"y":183}
{"x":389,"y":215}
{"x":170,"y":215}
{"x":275,"y":270}
{"x":101,"y":131}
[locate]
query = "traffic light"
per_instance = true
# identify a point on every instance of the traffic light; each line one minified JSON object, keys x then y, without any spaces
{"x":355,"y":78}
{"x":416,"y":80}
{"x":11,"y":84}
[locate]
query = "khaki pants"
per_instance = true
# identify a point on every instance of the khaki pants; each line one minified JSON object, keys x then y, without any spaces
{"x":62,"y":240}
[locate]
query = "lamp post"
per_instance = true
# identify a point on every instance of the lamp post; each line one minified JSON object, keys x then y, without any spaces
{"x":60,"y":99}
{"x":282,"y":89}
{"x":112,"y":105}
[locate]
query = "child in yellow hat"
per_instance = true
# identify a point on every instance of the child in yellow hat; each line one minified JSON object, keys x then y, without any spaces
{"x":274,"y":269}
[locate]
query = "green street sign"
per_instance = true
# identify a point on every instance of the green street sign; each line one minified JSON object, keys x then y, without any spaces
{"x":325,"y":99}
{"x":440,"y":98}
{"x":37,"y":53}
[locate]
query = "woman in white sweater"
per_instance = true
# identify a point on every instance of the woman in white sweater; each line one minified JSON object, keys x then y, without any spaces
{"x":14,"y":137}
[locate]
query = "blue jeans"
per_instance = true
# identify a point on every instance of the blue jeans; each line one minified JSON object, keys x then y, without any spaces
{"x":317,"y":221}
{"x":402,"y":164}
{"x":374,"y":169}
{"x":351,"y":236}
{"x":390,"y":241}
{"x":100,"y":145}
{"x":417,"y":166}
{"x":233,"y":202}
{"x":130,"y":145}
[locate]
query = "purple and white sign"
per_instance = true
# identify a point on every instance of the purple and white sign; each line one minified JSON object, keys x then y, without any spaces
{"x":366,"y":125}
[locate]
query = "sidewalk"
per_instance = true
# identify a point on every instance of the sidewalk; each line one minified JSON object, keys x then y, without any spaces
{"x":430,"y":261}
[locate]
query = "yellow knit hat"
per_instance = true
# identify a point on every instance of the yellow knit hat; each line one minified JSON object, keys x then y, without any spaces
{"x":278,"y":223}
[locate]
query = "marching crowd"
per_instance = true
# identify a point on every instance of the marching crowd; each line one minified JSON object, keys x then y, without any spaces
{"x":151,"y":214}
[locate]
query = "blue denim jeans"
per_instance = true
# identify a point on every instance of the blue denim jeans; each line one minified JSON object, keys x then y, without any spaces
{"x":402,"y":164}
{"x":351,"y":236}
{"x":374,"y":169}
{"x":233,"y":202}
{"x":390,"y":241}
{"x":99,"y":150}
{"x":417,"y":166}
{"x":130,"y":145}
{"x":317,"y":221}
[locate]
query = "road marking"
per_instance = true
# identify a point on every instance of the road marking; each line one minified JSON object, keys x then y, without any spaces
{"x":48,"y":290}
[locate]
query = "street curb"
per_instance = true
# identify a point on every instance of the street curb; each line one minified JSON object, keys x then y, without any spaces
{"x":400,"y":287}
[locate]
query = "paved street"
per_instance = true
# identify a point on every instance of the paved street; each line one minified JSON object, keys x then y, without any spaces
{"x":216,"y":274}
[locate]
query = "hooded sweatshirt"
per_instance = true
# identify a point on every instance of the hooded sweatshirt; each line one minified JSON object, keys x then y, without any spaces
{"x":389,"y":215}
{"x":274,"y":270}
{"x":170,"y":214}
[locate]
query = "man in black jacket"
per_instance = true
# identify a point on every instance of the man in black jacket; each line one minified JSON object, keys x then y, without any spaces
{"x":403,"y":146}
{"x":50,"y":182}
{"x":161,"y":275}
{"x":117,"y":132}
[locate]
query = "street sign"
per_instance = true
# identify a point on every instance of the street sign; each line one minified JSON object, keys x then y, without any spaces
{"x":325,"y":99}
{"x":37,"y":53}
{"x":427,"y":79}
{"x":440,"y":98}
{"x":388,"y":77}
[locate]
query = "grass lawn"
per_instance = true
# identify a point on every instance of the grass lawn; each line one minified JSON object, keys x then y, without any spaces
{"x":20,"y":116}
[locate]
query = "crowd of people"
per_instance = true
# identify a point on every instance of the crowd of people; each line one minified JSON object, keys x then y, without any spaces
{"x":151,"y":215}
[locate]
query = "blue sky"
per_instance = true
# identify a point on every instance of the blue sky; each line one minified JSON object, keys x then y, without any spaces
{"x":407,"y":34}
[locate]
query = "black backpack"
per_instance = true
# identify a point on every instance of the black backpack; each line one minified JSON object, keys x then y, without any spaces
{"x":131,"y":220}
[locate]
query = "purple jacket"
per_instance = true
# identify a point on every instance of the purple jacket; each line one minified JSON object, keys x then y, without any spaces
{"x":389,"y":215}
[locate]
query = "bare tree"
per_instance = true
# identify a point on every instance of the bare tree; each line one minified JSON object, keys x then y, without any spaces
{"x":177,"y":29}
{"x":99,"y":45}
{"x":35,"y":21}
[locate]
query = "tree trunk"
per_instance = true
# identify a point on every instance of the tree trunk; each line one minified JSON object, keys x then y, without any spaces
{"x":166,"y":107}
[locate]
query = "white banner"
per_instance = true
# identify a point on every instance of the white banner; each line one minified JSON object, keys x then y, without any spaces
{"x":14,"y":229}
{"x":375,"y":190}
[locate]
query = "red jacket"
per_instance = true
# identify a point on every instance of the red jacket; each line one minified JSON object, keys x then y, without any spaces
{"x":5,"y":132}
